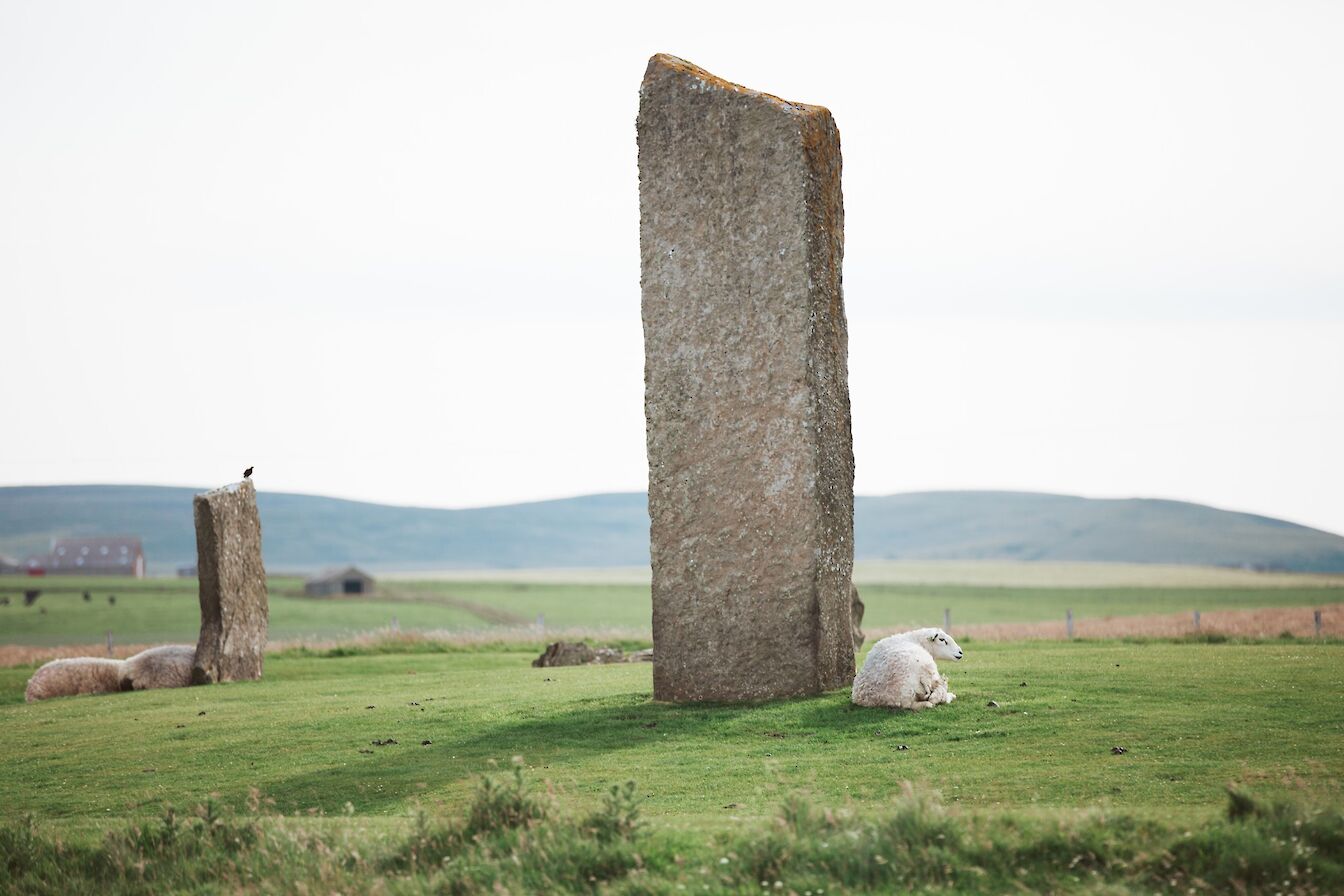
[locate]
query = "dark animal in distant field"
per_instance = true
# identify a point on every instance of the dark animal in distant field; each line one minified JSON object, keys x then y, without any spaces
{"x":112,"y":598}
{"x":87,"y":597}
{"x":30,"y":597}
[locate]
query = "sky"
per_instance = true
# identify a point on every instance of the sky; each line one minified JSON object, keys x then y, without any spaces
{"x":390,"y":252}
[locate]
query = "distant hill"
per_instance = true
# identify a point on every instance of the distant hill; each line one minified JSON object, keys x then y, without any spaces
{"x":306,"y":532}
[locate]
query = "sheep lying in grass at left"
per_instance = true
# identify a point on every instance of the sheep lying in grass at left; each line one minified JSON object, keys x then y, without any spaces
{"x":158,"y":667}
{"x":79,"y":675}
{"x":900,"y":671}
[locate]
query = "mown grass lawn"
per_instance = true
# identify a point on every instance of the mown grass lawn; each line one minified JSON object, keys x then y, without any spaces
{"x":1192,"y":717}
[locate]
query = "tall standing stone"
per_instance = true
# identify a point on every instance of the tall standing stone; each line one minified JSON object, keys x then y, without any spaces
{"x":234,"y":607}
{"x":751,"y":467}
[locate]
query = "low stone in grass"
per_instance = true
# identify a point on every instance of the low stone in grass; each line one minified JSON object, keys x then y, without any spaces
{"x":565,"y":653}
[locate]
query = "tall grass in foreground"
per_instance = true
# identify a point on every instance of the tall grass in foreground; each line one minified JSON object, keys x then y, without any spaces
{"x":515,"y":839}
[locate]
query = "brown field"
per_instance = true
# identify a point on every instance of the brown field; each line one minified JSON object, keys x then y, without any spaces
{"x":988,"y":573}
{"x":24,"y":655}
{"x":1268,"y":623}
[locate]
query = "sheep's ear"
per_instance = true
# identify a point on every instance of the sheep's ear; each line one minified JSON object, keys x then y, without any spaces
{"x":933,"y":637}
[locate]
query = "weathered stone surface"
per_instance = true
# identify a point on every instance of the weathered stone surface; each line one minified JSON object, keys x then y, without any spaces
{"x":856,"y":617}
{"x":751,"y":469}
{"x":605,"y":655}
{"x":234,"y":607}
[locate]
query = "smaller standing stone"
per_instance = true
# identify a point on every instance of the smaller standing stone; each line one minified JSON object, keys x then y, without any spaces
{"x":234,"y":607}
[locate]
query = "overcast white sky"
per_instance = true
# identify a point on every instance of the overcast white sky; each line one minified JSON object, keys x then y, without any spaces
{"x":390,"y":251}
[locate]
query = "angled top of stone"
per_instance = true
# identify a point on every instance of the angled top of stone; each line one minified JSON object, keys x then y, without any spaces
{"x":226,"y":489}
{"x":663,"y":65}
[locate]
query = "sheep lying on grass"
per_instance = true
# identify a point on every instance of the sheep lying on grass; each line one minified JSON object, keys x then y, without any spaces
{"x":901,"y":672}
{"x":81,"y":675}
{"x":168,"y":666}
{"x":158,"y":667}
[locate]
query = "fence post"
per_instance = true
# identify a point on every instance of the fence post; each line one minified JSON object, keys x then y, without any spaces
{"x":109,"y":642}
{"x":1196,"y":620}
{"x":947,"y":620}
{"x":396,"y":626}
{"x":1317,"y":615}
{"x":1068,"y":623}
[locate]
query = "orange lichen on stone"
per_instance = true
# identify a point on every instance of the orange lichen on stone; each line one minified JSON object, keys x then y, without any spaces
{"x":664,"y":62}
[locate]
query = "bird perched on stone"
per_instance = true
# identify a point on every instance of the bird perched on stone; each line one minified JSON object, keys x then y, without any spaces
{"x":247,"y":473}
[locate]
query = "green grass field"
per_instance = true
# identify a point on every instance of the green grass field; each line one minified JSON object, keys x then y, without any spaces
{"x":1192,"y":717}
{"x":1026,"y":795}
{"x":1184,"y":712}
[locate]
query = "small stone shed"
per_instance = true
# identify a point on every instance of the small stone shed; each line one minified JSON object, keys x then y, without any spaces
{"x":342,"y":580}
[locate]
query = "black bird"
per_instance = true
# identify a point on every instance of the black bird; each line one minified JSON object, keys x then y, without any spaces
{"x":247,"y":473}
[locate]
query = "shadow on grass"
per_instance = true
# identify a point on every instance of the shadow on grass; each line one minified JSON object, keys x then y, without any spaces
{"x":389,"y":775}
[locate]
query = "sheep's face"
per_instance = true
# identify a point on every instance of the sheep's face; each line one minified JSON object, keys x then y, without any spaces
{"x":941,"y":646}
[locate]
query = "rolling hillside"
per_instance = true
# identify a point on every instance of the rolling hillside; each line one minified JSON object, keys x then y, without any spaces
{"x":304,"y":531}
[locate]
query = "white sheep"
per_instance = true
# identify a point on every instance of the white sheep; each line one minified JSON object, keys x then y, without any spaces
{"x":168,"y":666}
{"x":901,"y":672}
{"x":158,"y":667}
{"x":78,"y":675}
